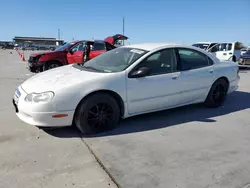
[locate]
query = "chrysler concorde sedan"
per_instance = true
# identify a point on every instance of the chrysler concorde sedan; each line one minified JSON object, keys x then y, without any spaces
{"x":124,"y":82}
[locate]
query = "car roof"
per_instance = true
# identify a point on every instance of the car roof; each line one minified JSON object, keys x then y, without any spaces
{"x":151,"y":46}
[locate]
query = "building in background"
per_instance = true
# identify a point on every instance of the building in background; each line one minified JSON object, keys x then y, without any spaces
{"x":37,"y":41}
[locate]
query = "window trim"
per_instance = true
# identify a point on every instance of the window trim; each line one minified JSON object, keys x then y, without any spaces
{"x":193,"y":50}
{"x":149,"y":55}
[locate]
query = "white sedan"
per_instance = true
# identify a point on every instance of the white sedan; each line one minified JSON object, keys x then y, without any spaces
{"x":124,"y":82}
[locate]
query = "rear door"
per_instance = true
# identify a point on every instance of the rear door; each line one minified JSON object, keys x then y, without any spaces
{"x":97,"y":49}
{"x":197,"y":75}
{"x":76,"y":54}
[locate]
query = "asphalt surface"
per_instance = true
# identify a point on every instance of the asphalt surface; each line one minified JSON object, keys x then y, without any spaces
{"x":191,"y":146}
{"x":33,"y":158}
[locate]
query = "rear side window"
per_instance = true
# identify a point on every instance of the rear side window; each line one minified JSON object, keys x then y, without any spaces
{"x":98,"y":46}
{"x":191,"y":59}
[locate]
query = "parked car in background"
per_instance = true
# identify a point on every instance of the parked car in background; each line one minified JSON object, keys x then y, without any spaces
{"x":204,"y":45}
{"x":245,"y":58}
{"x":243,"y":50}
{"x":8,"y":46}
{"x":125,"y":82}
{"x":73,"y":52}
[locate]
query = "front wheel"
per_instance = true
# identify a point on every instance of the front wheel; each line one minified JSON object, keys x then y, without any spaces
{"x":99,"y":112}
{"x":217,"y":94}
{"x":51,"y":65}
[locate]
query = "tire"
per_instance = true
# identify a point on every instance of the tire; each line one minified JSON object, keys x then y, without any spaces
{"x":51,"y":65}
{"x":89,"y":120}
{"x":217,"y":94}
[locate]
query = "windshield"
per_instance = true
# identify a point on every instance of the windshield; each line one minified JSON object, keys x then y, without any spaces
{"x":202,"y":46}
{"x":63,"y":47}
{"x":115,"y":60}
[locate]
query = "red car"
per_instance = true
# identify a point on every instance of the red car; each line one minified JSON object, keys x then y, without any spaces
{"x":73,"y":52}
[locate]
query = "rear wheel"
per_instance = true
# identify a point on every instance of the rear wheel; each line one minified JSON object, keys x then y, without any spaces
{"x":99,"y":112}
{"x":217,"y":94}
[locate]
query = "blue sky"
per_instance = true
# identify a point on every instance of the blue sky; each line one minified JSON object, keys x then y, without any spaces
{"x":182,"y":21}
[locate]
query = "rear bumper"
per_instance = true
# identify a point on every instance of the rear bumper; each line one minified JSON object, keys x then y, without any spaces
{"x":234,"y":85}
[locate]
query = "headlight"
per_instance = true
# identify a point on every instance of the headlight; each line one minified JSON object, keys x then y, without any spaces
{"x":40,"y":97}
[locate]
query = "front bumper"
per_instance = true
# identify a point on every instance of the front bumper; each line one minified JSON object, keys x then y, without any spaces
{"x":29,"y":113}
{"x":34,"y":65}
{"x":244,"y":61}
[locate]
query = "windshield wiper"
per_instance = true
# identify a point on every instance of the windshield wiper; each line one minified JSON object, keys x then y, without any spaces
{"x":92,"y":68}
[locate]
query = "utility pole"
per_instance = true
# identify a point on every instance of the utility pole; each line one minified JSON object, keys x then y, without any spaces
{"x":123,"y":28}
{"x":59,"y":34}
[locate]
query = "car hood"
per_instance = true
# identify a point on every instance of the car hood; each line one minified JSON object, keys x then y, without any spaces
{"x":43,"y":53}
{"x":245,"y":55}
{"x":59,"y":78}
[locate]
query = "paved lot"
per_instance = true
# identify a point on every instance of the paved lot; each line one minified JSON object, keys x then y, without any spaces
{"x":187,"y":147}
{"x":32,"y":158}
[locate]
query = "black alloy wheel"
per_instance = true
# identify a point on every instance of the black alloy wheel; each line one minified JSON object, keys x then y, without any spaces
{"x":97,"y":113}
{"x":217,"y":93}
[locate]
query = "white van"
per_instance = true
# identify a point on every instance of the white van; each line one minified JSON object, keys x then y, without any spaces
{"x":223,"y":51}
{"x":227,"y":51}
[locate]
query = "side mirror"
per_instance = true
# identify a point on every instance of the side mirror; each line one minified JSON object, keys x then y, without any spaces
{"x":141,"y":72}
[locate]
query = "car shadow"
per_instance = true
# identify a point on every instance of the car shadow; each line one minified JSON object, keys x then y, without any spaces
{"x":237,"y":101}
{"x":63,"y":132}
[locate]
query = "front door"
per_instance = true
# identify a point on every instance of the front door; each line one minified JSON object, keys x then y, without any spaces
{"x":197,"y":75}
{"x":76,"y":54}
{"x":158,"y":90}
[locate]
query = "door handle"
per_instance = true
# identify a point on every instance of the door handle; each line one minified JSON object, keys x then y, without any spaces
{"x":211,"y":71}
{"x":79,"y":55}
{"x":224,"y":53}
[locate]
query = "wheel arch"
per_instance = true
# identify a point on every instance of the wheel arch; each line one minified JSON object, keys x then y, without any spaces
{"x":115,"y":95}
{"x":223,"y":78}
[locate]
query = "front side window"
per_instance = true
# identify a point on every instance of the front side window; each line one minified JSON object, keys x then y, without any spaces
{"x":115,"y":60}
{"x":63,"y":47}
{"x":161,"y":62}
{"x":192,"y":59}
{"x":78,"y":47}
